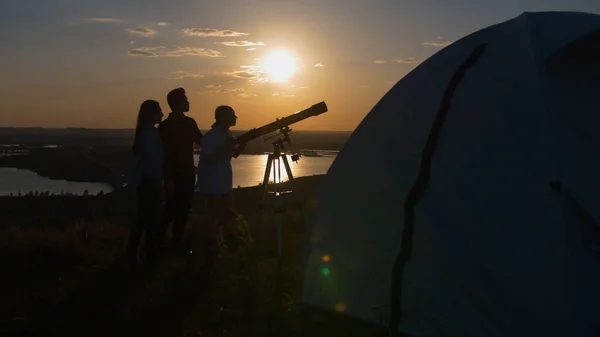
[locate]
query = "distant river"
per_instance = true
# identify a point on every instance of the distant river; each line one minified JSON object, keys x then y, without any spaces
{"x":17,"y":181}
{"x":248,"y":170}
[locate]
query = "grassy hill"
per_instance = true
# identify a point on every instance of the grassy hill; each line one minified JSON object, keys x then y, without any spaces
{"x":64,"y":274}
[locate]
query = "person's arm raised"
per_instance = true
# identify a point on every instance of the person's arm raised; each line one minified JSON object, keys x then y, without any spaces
{"x":239,"y":149}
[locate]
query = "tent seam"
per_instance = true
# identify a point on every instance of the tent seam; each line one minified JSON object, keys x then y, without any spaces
{"x":543,"y":86}
{"x":416,"y":192}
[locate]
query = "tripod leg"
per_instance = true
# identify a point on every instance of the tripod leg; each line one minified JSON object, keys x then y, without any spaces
{"x":286,"y":163}
{"x":266,"y":178}
{"x":278,"y":210}
{"x":288,"y":169}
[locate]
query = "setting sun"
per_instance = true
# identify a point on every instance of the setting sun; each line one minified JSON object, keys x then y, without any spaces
{"x":279,"y":66}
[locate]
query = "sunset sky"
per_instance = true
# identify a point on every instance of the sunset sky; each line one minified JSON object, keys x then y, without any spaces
{"x":83,"y":63}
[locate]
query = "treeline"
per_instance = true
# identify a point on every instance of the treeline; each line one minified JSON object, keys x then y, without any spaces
{"x":326,"y":140}
{"x":52,"y":194}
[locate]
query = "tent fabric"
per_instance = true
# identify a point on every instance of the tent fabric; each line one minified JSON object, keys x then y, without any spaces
{"x":506,"y":238}
{"x":582,"y":55}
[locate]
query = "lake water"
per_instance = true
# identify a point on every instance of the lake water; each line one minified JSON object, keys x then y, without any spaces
{"x":248,"y":170}
{"x":17,"y":181}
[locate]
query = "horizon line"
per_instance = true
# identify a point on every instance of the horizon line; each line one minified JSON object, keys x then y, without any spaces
{"x":126,"y":129}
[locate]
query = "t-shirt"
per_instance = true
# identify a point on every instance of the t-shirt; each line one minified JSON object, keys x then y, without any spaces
{"x":218,"y":177}
{"x":179,"y":133}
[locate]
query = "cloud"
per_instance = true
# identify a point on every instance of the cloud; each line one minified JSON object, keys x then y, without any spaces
{"x":407,"y":60}
{"x":101,"y":20}
{"x":319,"y":65}
{"x":379,"y":62}
{"x":211,"y":32}
{"x":144,"y":51}
{"x":243,"y":74}
{"x":253,"y":76}
{"x":240,"y":43}
{"x":162,"y":24}
{"x":232,"y":90}
{"x":250,"y":67}
{"x":176,"y":52}
{"x":437,"y":43}
{"x":283,"y":95}
{"x":251,"y":49}
{"x":217,"y":89}
{"x":191,"y":51}
{"x":131,"y":42}
{"x":141,"y":31}
{"x":181,"y":75}
{"x":93,"y":20}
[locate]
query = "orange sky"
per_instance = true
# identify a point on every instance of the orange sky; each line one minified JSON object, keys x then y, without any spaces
{"x":97,"y":96}
{"x":79,"y":63}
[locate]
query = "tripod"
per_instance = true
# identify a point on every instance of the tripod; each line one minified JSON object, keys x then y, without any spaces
{"x":274,"y":164}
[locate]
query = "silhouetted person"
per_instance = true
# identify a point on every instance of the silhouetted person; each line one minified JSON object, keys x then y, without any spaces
{"x":215,"y":174}
{"x":148,"y":178}
{"x":178,"y":133}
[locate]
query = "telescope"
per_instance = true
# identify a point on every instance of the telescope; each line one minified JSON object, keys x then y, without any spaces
{"x":283,"y":123}
{"x":283,"y":126}
{"x":274,"y":158}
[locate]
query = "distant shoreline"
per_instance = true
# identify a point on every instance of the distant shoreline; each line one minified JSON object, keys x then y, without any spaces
{"x":104,"y":155}
{"x":38,"y":128}
{"x":111,"y":166}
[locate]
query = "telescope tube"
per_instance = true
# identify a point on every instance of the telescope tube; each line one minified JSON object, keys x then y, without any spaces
{"x":314,"y":110}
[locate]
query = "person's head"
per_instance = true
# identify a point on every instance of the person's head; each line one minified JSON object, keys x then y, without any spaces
{"x":150,"y":114}
{"x":225,"y":116}
{"x":178,"y":101}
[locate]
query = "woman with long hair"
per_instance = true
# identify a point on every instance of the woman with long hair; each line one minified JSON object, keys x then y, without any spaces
{"x":148,"y":156}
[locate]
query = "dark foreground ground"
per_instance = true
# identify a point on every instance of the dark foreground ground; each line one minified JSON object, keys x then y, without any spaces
{"x":63,"y":274}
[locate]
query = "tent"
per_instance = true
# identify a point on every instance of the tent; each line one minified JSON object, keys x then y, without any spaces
{"x":467,"y":201}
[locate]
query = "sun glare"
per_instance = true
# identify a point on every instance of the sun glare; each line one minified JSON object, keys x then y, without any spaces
{"x":279,"y":66}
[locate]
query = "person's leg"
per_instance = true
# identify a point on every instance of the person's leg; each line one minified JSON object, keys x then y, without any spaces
{"x":210,"y":227}
{"x":167,"y":216}
{"x":153,"y":221}
{"x":138,"y":226}
{"x":226,"y":218}
{"x":185,"y":196}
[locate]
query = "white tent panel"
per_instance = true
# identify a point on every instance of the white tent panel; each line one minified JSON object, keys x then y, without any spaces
{"x":496,"y":250}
